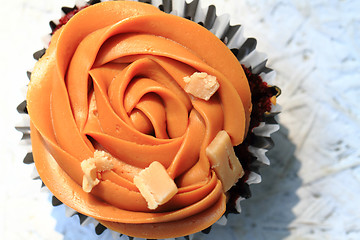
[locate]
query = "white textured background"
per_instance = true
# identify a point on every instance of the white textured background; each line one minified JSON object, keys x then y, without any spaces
{"x":312,"y":189}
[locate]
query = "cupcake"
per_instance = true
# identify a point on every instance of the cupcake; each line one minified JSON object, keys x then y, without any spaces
{"x":146,"y":121}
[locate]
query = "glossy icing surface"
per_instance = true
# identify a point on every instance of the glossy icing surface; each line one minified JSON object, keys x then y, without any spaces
{"x":117,"y":85}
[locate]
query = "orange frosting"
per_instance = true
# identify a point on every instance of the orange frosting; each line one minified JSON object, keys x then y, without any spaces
{"x":112,"y":80}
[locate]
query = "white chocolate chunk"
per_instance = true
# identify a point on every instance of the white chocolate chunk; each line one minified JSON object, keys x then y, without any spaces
{"x":91,"y":167}
{"x":201,"y":85}
{"x":155,"y":185}
{"x":224,"y":161}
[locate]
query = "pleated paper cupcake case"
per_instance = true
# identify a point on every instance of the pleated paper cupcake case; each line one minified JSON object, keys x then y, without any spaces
{"x":257,"y":143}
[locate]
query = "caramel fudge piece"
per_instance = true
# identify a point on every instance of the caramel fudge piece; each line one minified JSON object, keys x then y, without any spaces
{"x":155,"y":185}
{"x":201,"y":85}
{"x":224,"y":161}
{"x":91,"y":167}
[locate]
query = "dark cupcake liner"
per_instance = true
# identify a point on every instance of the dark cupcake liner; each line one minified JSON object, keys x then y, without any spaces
{"x":245,"y":51}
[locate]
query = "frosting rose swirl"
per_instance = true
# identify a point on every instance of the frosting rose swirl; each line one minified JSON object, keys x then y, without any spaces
{"x":112,"y":80}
